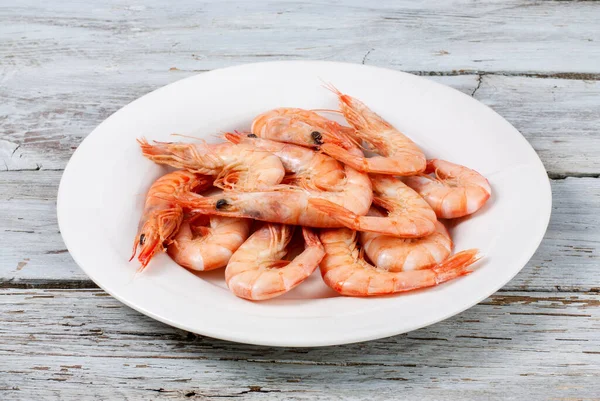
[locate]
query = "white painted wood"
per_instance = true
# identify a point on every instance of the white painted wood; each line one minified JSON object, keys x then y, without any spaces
{"x":558,"y":117}
{"x":32,"y":251}
{"x":41,"y":129}
{"x":511,"y":346}
{"x":514,"y":35}
{"x":65,"y":66}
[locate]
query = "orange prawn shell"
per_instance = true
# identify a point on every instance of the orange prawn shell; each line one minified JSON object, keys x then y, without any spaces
{"x":162,"y":214}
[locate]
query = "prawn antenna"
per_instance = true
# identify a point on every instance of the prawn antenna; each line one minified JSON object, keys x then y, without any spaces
{"x":188,"y":136}
{"x":330,"y":87}
{"x":327,"y":111}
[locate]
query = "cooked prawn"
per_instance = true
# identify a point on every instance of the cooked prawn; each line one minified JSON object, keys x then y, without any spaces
{"x":257,"y":270}
{"x":301,"y":127}
{"x":162,"y":216}
{"x":398,"y":154}
{"x":409,"y":216}
{"x":202,"y":248}
{"x":345,"y":270}
{"x":238,"y":167}
{"x":453,"y":190}
{"x":289,"y":205}
{"x":404,"y":254}
{"x":310,"y":169}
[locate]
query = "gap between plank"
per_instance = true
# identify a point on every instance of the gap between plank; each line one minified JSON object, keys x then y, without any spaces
{"x":551,"y":175}
{"x":83,"y":284}
{"x":581,"y":76}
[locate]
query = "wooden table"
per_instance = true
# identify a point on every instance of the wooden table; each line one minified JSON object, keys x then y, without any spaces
{"x":65,"y":66}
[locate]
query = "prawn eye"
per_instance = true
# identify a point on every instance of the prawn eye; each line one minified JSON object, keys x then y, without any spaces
{"x":142,"y":239}
{"x":317,"y":137}
{"x":221,"y":203}
{"x":252,"y":136}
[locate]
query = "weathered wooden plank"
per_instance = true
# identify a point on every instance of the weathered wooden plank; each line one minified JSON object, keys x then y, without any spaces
{"x":433,"y":36}
{"x":41,"y":130}
{"x":66,"y":68}
{"x":558,"y":117}
{"x":545,"y":342}
{"x":32,"y":251}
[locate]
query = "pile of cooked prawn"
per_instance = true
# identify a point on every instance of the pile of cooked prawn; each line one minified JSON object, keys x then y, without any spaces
{"x":370,"y":224}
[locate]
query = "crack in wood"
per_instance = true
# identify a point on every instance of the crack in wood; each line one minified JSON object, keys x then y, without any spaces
{"x":479,"y":80}
{"x":548,"y":314}
{"x":576,"y":76}
{"x":83,"y":284}
{"x":364,"y":59}
{"x":562,"y":176}
{"x":486,"y":338}
{"x":47,"y":284}
{"x":526,"y":300}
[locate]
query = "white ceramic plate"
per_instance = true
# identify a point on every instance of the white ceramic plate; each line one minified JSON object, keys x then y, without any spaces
{"x":103,"y":188}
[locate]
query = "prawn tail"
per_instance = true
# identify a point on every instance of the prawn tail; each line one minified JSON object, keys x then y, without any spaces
{"x":456,"y":266}
{"x":343,"y":216}
{"x":355,"y":161}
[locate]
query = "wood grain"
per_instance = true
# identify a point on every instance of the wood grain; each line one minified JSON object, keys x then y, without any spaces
{"x":557,"y":116}
{"x":33,"y":253}
{"x":547,"y":343}
{"x":514,"y":35}
{"x":65,"y":66}
{"x":42,"y":130}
